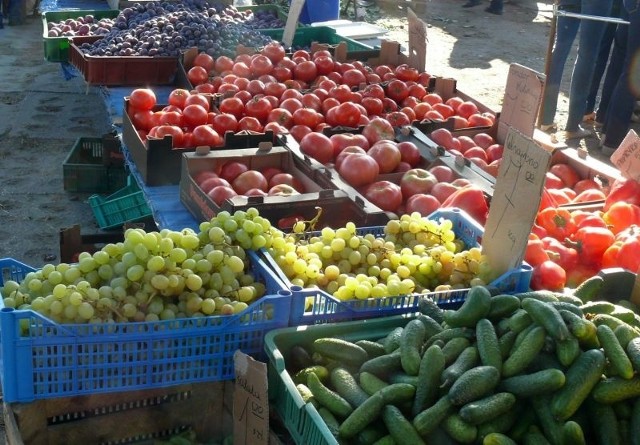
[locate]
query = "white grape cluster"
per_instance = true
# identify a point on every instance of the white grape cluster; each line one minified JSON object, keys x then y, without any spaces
{"x":414,"y":255}
{"x":150,"y":276}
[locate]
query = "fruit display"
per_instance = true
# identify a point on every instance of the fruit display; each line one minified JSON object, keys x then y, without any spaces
{"x":164,"y":29}
{"x":86,"y":25}
{"x":501,"y":368}
{"x":152,"y":276}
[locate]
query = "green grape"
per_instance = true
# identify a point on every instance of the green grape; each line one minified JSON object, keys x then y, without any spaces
{"x":217,"y":235}
{"x":230,"y":226}
{"x":189,"y":263}
{"x":235,"y":264}
{"x":59,"y":291}
{"x":129,"y":259}
{"x":193,"y":282}
{"x":70,"y":312}
{"x":178,"y":255}
{"x":165,"y":246}
{"x":92,"y":294}
{"x":111,"y":249}
{"x":338,"y":244}
{"x":167,"y":314}
{"x":258,"y":242}
{"x":135,"y":272}
{"x":194,"y":303}
{"x":300,"y":266}
{"x":354,"y":257}
{"x":71,"y":274}
{"x":9,"y":302}
{"x":332,"y":272}
{"x":363,"y":290}
{"x":34,"y":285}
{"x":105,"y":291}
{"x":155,"y":263}
{"x":156,"y":306}
{"x":56,"y":307}
{"x":141,"y":252}
{"x":208,"y":306}
{"x":75,"y":299}
{"x":190,"y":241}
{"x":150,"y":318}
{"x":150,"y":241}
{"x":129,"y":310}
{"x":161,"y":282}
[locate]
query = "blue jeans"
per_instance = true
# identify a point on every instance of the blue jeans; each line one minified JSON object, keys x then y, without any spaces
{"x":590,"y":36}
{"x":600,"y":66}
{"x":627,"y":89}
{"x":566,"y":31}
{"x":614,"y":69}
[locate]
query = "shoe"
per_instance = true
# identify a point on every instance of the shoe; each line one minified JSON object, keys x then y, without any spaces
{"x":548,"y":128}
{"x":494,"y":11}
{"x":597,"y":124}
{"x":471,"y":4}
{"x":578,"y":134}
{"x":590,"y":117}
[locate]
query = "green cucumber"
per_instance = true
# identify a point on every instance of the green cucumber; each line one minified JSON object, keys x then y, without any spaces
{"x":634,"y":422}
{"x":497,"y":439}
{"x":413,"y":336}
{"x":598,"y":307}
{"x":465,"y":361}
{"x":551,"y":426}
{"x":340,"y":350}
{"x":374,"y":349}
{"x":503,"y":305}
{"x":370,"y":383}
{"x":431,"y":325}
{"x":563,"y":306}
{"x":450,"y":333}
{"x":633,"y":351}
{"x":399,"y":427}
{"x":604,"y":423}
{"x":384,"y":365}
{"x":428,"y":420}
{"x":431,"y":367}
{"x":401,"y":377}
{"x":301,"y":376}
{"x":530,"y":385}
{"x":572,"y":434}
{"x":392,"y":341}
{"x":525,"y":353}
{"x":474,"y":384}
{"x":548,"y":317}
{"x":580,"y":327}
{"x":370,"y":434}
{"x":459,"y":430}
{"x":347,"y":386}
{"x":568,"y":350}
{"x":581,"y":378}
{"x":501,"y":424}
{"x":328,"y":398}
{"x":616,"y":389}
{"x":614,"y":352}
{"x":540,"y":295}
{"x":487,"y":344}
{"x":476,"y":306}
{"x":589,"y":289}
{"x":362,"y":416}
{"x":624,"y":334}
{"x":488,"y":408}
{"x":453,"y":348}
{"x":386,"y":440}
{"x":506,"y":342}
{"x":329,"y":420}
{"x":306,"y":394}
{"x":430,"y":308}
{"x":519,"y":320}
{"x":397,"y":393}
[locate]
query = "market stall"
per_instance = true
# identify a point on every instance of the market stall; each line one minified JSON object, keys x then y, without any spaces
{"x":335,"y":240}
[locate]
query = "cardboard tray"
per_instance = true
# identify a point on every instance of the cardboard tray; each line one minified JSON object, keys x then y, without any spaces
{"x":338,"y":207}
{"x":159,"y":163}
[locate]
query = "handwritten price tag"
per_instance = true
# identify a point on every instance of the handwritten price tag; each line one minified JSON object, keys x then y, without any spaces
{"x":522,"y":96}
{"x":250,"y":402}
{"x":627,"y":156}
{"x":515,"y":201}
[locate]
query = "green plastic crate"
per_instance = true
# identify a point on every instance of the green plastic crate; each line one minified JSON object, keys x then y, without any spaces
{"x":84,"y":169}
{"x":126,"y":205}
{"x":302,"y":419}
{"x":305,"y":36}
{"x":56,"y":49}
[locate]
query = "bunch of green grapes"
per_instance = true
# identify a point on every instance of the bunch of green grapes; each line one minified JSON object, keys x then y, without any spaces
{"x":152,"y":276}
{"x":414,"y":255}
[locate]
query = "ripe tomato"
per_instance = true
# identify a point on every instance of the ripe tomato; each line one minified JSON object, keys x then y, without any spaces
{"x":205,"y":61}
{"x":244,"y":96}
{"x":359,"y":169}
{"x":260,"y":65}
{"x":232,"y":105}
{"x":241,"y":69}
{"x":548,"y":275}
{"x":306,"y":71}
{"x":291,"y":104}
{"x":386,"y":154}
{"x":405,"y":72}
{"x":347,"y":114}
{"x":178,"y":96}
{"x":255,"y":87}
{"x":228,"y":90}
{"x":224,"y":122}
{"x":274,"y":89}
{"x":176,"y":134}
{"x":205,"y":135}
{"x":281,"y":116}
{"x":142,"y":99}
{"x":318,"y":146}
{"x":197,"y":75}
{"x":171,"y":118}
{"x":324,"y":64}
{"x":353,"y":77}
{"x":250,"y":123}
{"x":432,"y":99}
{"x":291,"y":93}
{"x":194,"y":115}
{"x":299,"y":131}
{"x":306,"y":116}
{"x":197,"y":99}
{"x":372,"y":105}
{"x":625,"y":251}
{"x":397,"y":90}
{"x":282,"y":73}
{"x":258,"y":107}
{"x":274,"y":51}
{"x":398,"y":119}
{"x":566,"y":173}
{"x":384,"y":194}
{"x":341,"y":92}
{"x":142,"y":119}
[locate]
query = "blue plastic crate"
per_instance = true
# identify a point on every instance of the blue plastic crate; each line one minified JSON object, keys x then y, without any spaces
{"x":43,"y":359}
{"x":314,"y":306}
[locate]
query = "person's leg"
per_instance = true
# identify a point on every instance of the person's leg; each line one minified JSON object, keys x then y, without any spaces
{"x":628,"y":87}
{"x":614,"y":71}
{"x":495,"y":7}
{"x":601,"y":64}
{"x":590,"y":34}
{"x":566,"y":31}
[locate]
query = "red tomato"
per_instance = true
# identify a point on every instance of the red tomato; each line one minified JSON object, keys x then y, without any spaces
{"x":306,"y":71}
{"x":260,"y":65}
{"x":224,"y":122}
{"x":178,"y":96}
{"x":341,"y":92}
{"x":142,"y":119}
{"x":416,"y":181}
{"x":386,"y":154}
{"x":373,"y":91}
{"x":372,"y":105}
{"x":281,"y":116}
{"x":205,"y":61}
{"x":566,"y":173}
{"x":197,"y":75}
{"x":384,"y":194}
{"x":398,"y":119}
{"x":397,"y":90}
{"x":241,"y":69}
{"x":206,"y":135}
{"x":299,"y":131}
{"x":274,"y":51}
{"x":142,"y":99}
{"x":378,"y":129}
{"x":250,"y":123}
{"x":171,"y":118}
{"x":341,"y":141}
{"x":197,"y":99}
{"x":353,"y":78}
{"x":566,"y":257}
{"x":535,"y":252}
{"x":307,"y":117}
{"x":548,"y":275}
{"x":324,"y":64}
{"x":590,"y":195}
{"x":194,"y":115}
{"x":359,"y":169}
{"x":282,"y":73}
{"x":406,"y":72}
{"x":274,"y":89}
{"x":312,"y":101}
{"x":291,"y":105}
{"x":347,"y":114}
{"x":627,"y":190}
{"x":472,"y":200}
{"x":318,"y":146}
{"x":228,"y":90}
{"x":251,"y":179}
{"x":258,"y":107}
{"x":232,"y":105}
{"x":176,"y":134}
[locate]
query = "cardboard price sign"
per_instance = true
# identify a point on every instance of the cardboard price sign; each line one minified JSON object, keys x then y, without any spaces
{"x":515,"y":201}
{"x":522,"y":97}
{"x":295,"y":8}
{"x":250,"y":401}
{"x":627,"y":157}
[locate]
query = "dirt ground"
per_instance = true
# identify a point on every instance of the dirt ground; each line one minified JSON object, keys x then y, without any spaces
{"x":42,"y":114}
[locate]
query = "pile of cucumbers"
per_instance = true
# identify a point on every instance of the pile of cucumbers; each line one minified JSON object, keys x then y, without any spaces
{"x":532,"y":368}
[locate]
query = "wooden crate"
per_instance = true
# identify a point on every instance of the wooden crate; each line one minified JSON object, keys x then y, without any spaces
{"x":135,"y":417}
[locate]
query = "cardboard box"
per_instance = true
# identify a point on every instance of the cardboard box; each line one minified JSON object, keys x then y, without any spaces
{"x":159,"y":163}
{"x":338,"y":207}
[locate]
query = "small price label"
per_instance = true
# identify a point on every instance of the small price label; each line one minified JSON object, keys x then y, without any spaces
{"x":522,"y":97}
{"x":515,"y":201}
{"x":627,"y":157}
{"x":250,"y":402}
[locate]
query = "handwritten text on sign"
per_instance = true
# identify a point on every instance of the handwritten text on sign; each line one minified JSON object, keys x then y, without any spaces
{"x":522,"y":96}
{"x":627,"y":156}
{"x":515,"y":201}
{"x":250,"y":403}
